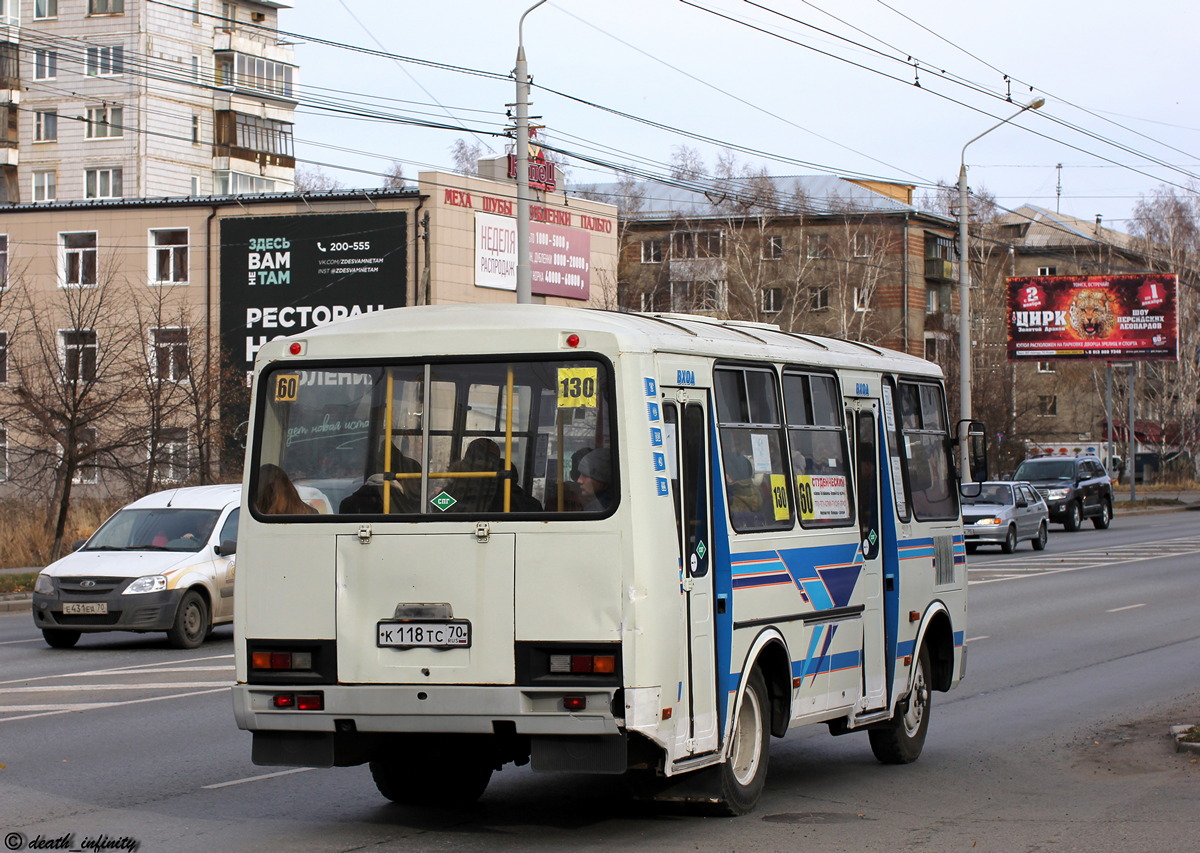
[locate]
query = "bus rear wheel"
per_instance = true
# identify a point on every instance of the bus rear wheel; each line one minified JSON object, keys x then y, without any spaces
{"x":900,"y":739}
{"x":431,"y":772}
{"x":744,"y":772}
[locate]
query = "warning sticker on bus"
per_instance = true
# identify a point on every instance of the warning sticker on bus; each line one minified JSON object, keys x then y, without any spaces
{"x":822,"y":496}
{"x":577,"y":387}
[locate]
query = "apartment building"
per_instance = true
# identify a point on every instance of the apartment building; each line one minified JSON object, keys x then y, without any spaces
{"x":817,"y":254}
{"x":112,"y":99}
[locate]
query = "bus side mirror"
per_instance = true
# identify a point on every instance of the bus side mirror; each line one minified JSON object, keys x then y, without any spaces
{"x":972,"y":453}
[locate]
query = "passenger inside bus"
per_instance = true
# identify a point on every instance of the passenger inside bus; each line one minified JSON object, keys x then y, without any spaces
{"x":484,"y":492}
{"x":405,"y":491}
{"x":277,"y":494}
{"x":595,"y":480}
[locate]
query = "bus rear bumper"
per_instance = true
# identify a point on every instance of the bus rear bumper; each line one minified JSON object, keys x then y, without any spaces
{"x":434,"y":709}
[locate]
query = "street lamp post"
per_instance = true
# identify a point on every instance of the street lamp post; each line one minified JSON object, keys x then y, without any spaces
{"x":964,"y":271}
{"x":521,"y":72}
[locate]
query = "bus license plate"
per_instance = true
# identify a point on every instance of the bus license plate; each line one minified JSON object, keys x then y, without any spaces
{"x":85,"y":608}
{"x":429,"y":635}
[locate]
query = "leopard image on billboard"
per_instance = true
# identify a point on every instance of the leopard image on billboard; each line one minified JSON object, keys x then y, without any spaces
{"x":1111,"y":318}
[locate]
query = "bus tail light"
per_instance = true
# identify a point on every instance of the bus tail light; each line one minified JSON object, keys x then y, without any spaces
{"x":574,"y":703}
{"x":281,"y":660}
{"x":583,"y":664}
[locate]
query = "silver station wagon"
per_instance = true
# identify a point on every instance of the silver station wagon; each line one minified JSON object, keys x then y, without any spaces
{"x":1005,"y":514}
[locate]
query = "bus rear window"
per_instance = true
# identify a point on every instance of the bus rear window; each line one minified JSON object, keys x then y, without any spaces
{"x":437,"y":439}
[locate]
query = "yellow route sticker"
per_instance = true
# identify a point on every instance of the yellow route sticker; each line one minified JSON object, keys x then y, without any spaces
{"x":577,"y":387}
{"x":779,"y":497}
{"x":287,"y":387}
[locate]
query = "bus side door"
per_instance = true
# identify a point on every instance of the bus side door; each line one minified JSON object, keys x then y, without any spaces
{"x":687,"y":417}
{"x":865,"y":425}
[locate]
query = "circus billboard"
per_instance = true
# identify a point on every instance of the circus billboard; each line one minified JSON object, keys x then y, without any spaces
{"x":1110,"y":318}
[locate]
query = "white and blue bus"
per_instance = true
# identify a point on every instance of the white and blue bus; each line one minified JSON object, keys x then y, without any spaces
{"x":598,"y":542}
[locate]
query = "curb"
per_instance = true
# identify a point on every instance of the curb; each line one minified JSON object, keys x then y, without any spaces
{"x":1181,"y":745}
{"x":20,"y":602}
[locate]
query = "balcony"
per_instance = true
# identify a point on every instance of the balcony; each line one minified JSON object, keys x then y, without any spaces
{"x":940,"y":269}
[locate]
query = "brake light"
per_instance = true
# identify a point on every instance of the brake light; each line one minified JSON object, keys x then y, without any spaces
{"x":299,"y":701}
{"x":574,"y":703}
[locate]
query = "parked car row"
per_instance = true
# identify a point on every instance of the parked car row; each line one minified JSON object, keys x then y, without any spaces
{"x":1060,"y":490}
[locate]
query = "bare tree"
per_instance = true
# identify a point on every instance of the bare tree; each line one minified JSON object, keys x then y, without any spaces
{"x":466,"y":156}
{"x":314,"y":179}
{"x":69,"y":392}
{"x":394,"y":176}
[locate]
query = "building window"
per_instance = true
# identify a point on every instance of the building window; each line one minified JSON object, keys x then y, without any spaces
{"x":931,"y":348}
{"x":652,"y":251}
{"x":656,"y":301}
{"x":236,"y":183}
{"x":171,"y":464}
{"x":45,"y":125}
{"x":45,"y":185}
{"x":1047,"y":271}
{"x":1045,"y":367}
{"x":696,"y":244}
{"x":264,"y":134}
{"x":195,"y":128}
{"x":818,"y":246}
{"x":817,"y":297}
{"x":862,"y":298}
{"x":105,"y":123}
{"x":45,"y":9}
{"x":170,"y":354}
{"x":772,"y":247}
{"x":243,"y":71}
{"x":772,"y":300}
{"x":1047,"y":405}
{"x":102,"y":183}
{"x":88,"y":472}
{"x":195,"y":188}
{"x":105,"y":61}
{"x":3,"y":454}
{"x":3,"y":261}
{"x":79,"y":351}
{"x":860,"y":244}
{"x":697,"y":296}
{"x":169,"y":256}
{"x":3,"y":358}
{"x":78,"y":259}
{"x":45,"y":64}
{"x":195,"y":11}
{"x":106,"y":7}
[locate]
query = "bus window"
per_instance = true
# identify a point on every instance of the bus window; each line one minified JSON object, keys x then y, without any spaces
{"x":818,"y":449}
{"x":930,"y":475}
{"x":473,"y":438}
{"x":755,"y":468}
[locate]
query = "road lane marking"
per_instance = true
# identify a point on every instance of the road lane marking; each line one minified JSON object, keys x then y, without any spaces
{"x":113,"y":670}
{"x":93,"y":706}
{"x":14,"y":642}
{"x":149,"y":685}
{"x":256,"y":778}
{"x":1127,"y":607}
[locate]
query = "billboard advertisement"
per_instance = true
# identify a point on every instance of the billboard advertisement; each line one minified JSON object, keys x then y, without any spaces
{"x":559,"y":256}
{"x":1110,"y":318}
{"x":281,"y":275}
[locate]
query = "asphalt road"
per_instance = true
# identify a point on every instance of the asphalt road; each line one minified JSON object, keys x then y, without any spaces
{"x":1080,"y":658}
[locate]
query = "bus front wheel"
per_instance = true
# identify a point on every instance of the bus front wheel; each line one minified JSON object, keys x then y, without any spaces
{"x":900,"y":739}
{"x":744,"y":772}
{"x":431,"y":772}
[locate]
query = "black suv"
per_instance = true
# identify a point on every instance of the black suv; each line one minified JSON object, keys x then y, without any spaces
{"x":1074,"y":488}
